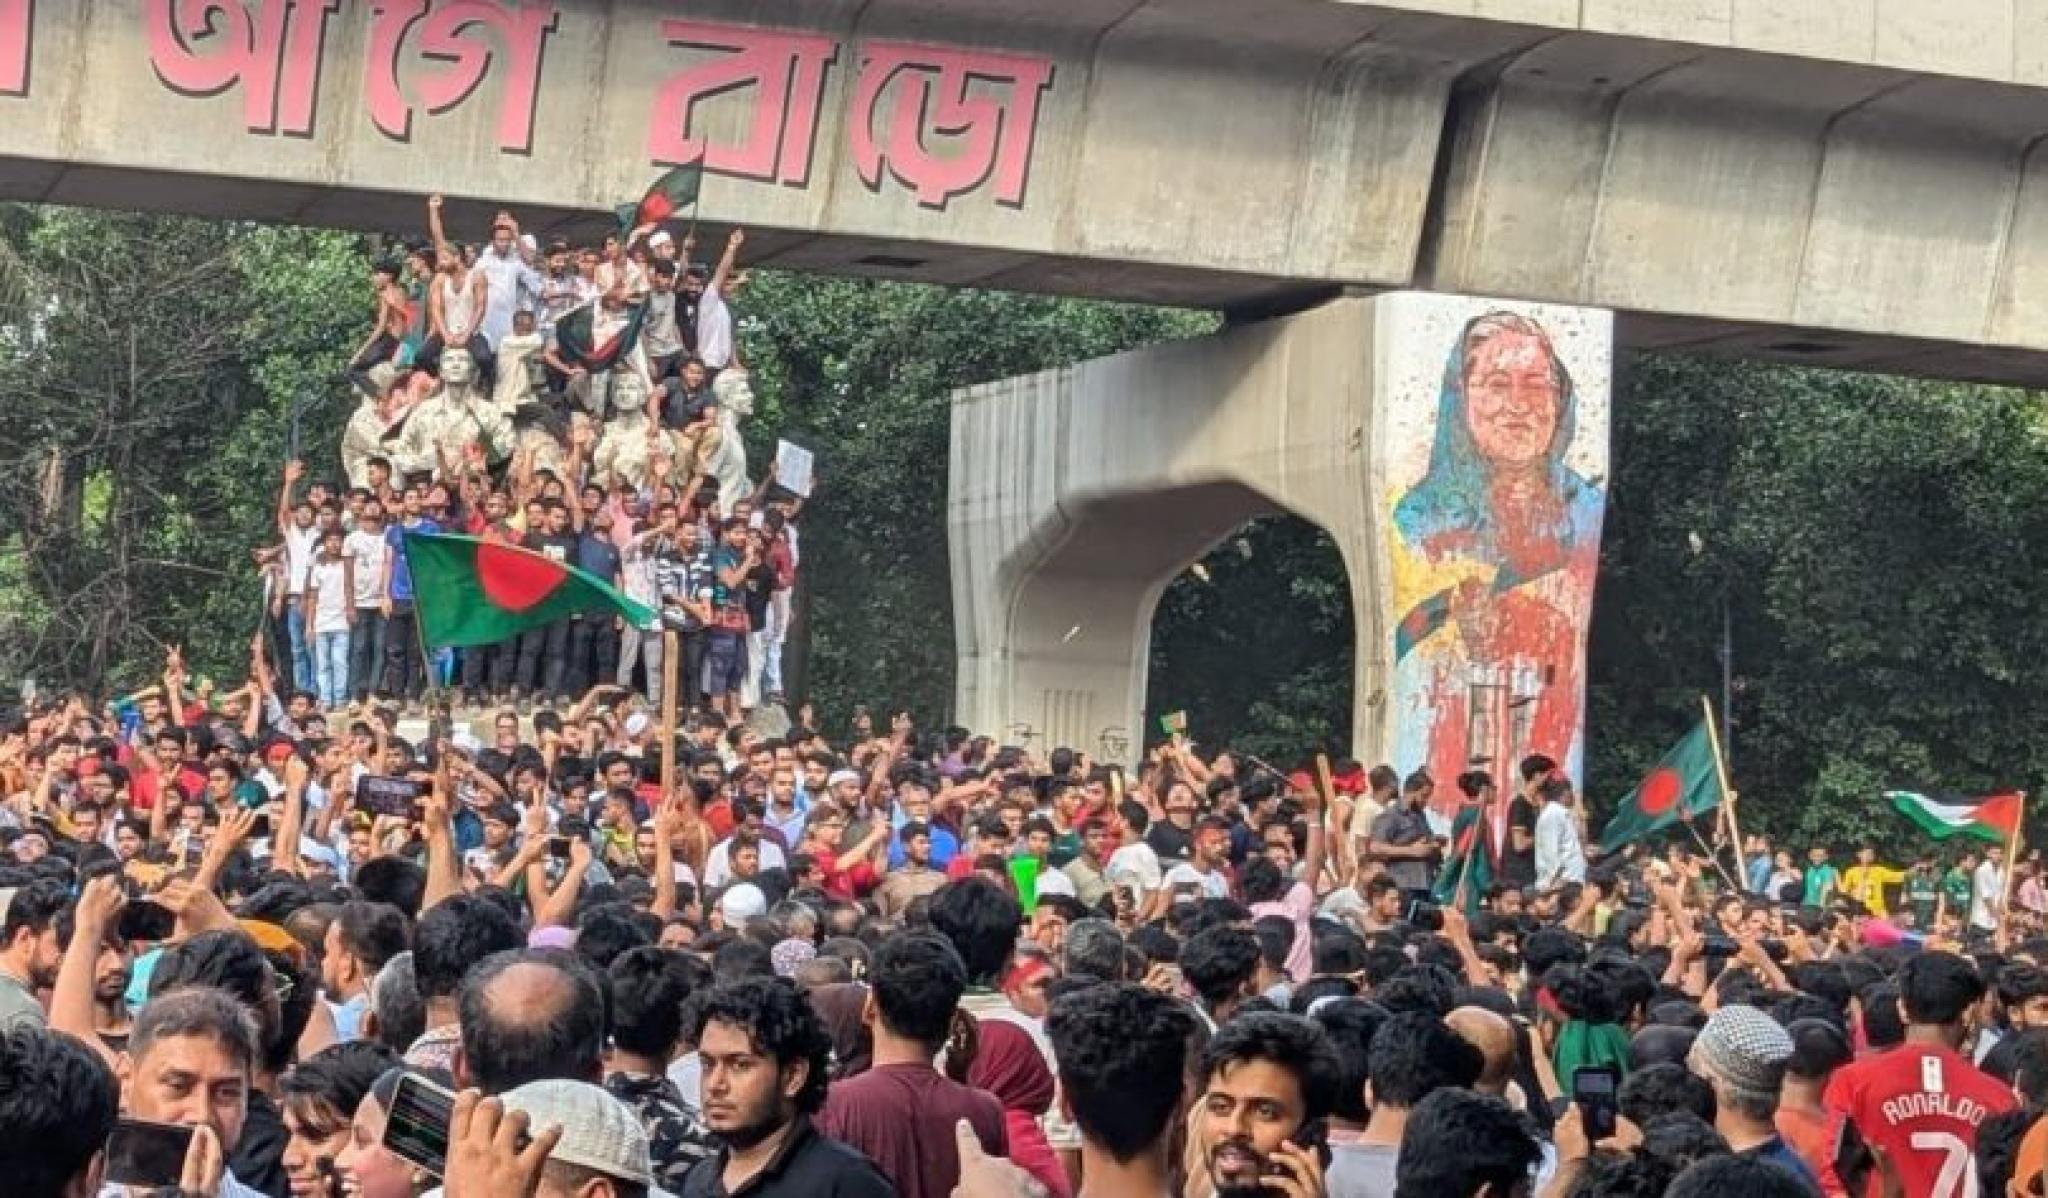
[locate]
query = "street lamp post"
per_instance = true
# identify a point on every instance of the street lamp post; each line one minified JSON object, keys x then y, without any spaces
{"x":1698,"y":545}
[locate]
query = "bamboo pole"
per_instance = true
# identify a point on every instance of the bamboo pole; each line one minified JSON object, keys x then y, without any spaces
{"x":1727,"y":797}
{"x":671,"y":649}
{"x":2012,"y":862}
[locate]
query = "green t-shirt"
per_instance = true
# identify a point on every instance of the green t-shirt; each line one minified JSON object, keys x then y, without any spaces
{"x":1957,"y":884}
{"x":1922,"y":891}
{"x":1821,"y":880}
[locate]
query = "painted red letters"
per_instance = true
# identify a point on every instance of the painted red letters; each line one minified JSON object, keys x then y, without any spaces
{"x":950,"y":93}
{"x":454,"y":60}
{"x":787,"y":73}
{"x":271,"y":48}
{"x":17,"y":26}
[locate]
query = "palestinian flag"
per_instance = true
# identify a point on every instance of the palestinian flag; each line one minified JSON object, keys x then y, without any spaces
{"x":670,"y":194}
{"x":1991,"y":819}
{"x":474,"y":592}
{"x":1685,"y":783}
{"x":574,"y":334}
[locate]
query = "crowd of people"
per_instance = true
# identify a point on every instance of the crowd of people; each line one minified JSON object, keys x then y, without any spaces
{"x":383,"y":923}
{"x":580,"y":404}
{"x":890,"y":962}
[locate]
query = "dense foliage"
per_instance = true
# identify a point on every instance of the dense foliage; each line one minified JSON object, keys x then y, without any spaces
{"x":1877,"y":540}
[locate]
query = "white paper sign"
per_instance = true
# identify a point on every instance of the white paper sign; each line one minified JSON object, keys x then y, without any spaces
{"x":793,"y":468}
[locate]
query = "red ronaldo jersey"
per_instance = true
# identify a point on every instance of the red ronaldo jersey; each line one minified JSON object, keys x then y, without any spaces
{"x":1922,"y":1105}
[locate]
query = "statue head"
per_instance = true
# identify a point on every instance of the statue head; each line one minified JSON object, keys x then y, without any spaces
{"x":628,"y":392}
{"x":458,"y":369}
{"x":735,"y":391}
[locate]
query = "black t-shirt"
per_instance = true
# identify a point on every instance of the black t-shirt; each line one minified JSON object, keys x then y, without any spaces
{"x":759,"y":587}
{"x":258,"y":1158}
{"x":1169,"y":842}
{"x":680,"y":408}
{"x":556,"y":547}
{"x":1519,"y":869}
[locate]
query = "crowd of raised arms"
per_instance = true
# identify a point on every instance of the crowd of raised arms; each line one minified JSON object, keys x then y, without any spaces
{"x":380,"y":923}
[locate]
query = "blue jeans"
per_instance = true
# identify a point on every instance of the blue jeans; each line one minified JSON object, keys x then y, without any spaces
{"x":332,"y":654}
{"x":302,"y":654}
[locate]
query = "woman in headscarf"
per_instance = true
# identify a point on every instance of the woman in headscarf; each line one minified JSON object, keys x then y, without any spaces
{"x":839,"y":1007}
{"x":1494,"y":560}
{"x":1012,"y":1069}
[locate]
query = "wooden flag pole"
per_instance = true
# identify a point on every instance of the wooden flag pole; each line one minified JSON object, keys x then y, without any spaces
{"x":671,"y":649}
{"x":2012,"y":861}
{"x":1727,"y":796}
{"x":1328,"y":785}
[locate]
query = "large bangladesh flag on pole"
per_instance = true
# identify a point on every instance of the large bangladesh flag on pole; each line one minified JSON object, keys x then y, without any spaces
{"x":474,"y":592}
{"x":1685,"y":783}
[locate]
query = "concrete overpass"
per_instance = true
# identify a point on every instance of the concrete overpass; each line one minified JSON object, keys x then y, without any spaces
{"x":1848,"y":182}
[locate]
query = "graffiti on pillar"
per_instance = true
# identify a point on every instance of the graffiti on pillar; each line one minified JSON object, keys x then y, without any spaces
{"x":1493,"y":439}
{"x":786,"y":72}
{"x":269,"y":48}
{"x":985,"y":106}
{"x":17,"y":30}
{"x":459,"y":43}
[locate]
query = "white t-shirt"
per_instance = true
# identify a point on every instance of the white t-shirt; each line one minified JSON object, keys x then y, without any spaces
{"x":1989,"y":888}
{"x":330,"y":599}
{"x":714,"y":329}
{"x":300,"y":545}
{"x":718,"y":866}
{"x":1135,"y":864}
{"x":1211,"y":885}
{"x":369,"y":549}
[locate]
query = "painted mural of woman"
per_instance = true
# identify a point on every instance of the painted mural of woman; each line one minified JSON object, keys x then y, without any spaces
{"x":1494,"y":562}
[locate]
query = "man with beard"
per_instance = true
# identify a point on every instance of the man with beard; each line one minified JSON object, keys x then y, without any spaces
{"x":766,"y":1058}
{"x":29,"y":950}
{"x":1271,"y":1080}
{"x":111,"y":964}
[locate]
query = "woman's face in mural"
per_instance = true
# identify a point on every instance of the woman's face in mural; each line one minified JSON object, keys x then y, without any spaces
{"x":1512,"y":399}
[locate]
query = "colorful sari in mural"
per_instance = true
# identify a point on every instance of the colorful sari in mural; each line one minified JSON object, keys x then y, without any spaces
{"x":1494,"y":558}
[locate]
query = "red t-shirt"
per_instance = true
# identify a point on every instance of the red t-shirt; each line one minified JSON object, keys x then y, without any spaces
{"x":901,"y":1117}
{"x":1922,"y":1105}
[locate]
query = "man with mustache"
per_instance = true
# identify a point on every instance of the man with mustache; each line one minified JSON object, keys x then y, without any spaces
{"x":1271,"y":1080}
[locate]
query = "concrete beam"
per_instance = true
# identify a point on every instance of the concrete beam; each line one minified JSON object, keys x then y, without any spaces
{"x":1078,"y":494}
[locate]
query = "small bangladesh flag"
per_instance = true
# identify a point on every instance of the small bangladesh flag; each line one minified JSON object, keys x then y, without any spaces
{"x":1991,"y":819}
{"x":575,"y":332}
{"x":475,"y":592}
{"x":670,"y":194}
{"x":1685,"y":783}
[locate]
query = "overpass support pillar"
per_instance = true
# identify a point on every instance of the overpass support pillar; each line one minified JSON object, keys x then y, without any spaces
{"x":1454,"y":447}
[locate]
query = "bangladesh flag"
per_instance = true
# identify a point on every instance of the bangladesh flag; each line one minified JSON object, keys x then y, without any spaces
{"x":1685,"y":783}
{"x":474,"y":592}
{"x":1992,"y":818}
{"x":575,"y":332}
{"x":670,"y":194}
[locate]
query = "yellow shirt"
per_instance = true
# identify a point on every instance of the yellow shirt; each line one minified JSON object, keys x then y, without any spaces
{"x":1866,"y":883}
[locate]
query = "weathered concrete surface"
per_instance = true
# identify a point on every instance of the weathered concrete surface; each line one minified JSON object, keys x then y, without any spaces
{"x":1852,"y":182}
{"x":1077,"y":494}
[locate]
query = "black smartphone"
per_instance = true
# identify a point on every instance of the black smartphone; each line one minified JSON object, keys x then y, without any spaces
{"x":1853,"y":1160}
{"x":387,"y":796}
{"x":260,"y":828}
{"x":558,"y":847}
{"x":416,"y":1130}
{"x":1597,"y":1093}
{"x":146,"y":921}
{"x":146,"y":1154}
